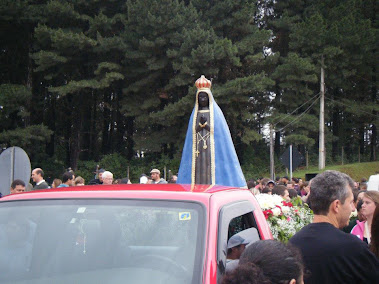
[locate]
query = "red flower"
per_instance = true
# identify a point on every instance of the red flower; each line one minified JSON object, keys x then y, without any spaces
{"x":289,"y":204}
{"x":268,"y":213}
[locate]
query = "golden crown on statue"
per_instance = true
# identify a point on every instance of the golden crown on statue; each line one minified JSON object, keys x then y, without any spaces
{"x":203,"y":83}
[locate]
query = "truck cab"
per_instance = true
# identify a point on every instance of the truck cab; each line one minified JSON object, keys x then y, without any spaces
{"x":163,"y":233}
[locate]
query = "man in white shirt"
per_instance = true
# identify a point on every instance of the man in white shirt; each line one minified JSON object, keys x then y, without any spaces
{"x":37,"y":177}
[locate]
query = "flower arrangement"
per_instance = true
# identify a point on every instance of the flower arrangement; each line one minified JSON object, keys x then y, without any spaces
{"x":284,"y":218}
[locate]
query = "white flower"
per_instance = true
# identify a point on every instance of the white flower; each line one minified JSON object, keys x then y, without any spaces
{"x":265,"y":201}
{"x":285,"y":209}
{"x":277,"y":199}
{"x":283,"y":227}
{"x":276,"y":211}
{"x":354,"y":213}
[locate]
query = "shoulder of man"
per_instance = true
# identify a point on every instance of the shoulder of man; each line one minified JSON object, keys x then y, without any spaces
{"x":323,"y":233}
{"x":339,"y":245}
{"x":162,"y":181}
{"x":94,"y":181}
{"x":231,"y":264}
{"x":366,"y":264}
{"x":43,"y":185}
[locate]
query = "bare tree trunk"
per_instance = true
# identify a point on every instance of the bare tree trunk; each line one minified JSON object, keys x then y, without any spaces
{"x":105,"y":147}
{"x":129,"y":135}
{"x":373,"y":143}
{"x":120,"y":145}
{"x":336,"y":120}
{"x":75,"y":143}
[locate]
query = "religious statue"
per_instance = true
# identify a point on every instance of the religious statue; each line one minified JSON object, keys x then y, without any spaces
{"x":209,"y":156}
{"x":203,"y":172}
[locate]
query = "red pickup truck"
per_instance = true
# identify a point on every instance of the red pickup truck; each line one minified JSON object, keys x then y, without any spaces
{"x":163,"y":233}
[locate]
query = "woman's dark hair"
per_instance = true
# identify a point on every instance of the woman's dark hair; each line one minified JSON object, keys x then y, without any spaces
{"x":279,"y":190}
{"x":374,"y":245}
{"x":292,"y":192}
{"x":279,"y":262}
{"x":359,"y":205}
{"x":304,"y":184}
{"x":247,"y":273}
{"x":251,"y":183}
{"x":266,"y":190}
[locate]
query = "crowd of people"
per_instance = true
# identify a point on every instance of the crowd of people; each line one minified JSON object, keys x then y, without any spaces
{"x":69,"y":179}
{"x":334,"y":248}
{"x":290,"y":188}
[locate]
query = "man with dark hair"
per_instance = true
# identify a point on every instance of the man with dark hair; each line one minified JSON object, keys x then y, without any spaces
{"x":277,"y":179}
{"x":68,"y":179}
{"x":37,"y":177}
{"x":285,"y":180}
{"x":17,"y":186}
{"x":173,"y":179}
{"x":282,"y":191}
{"x":331,"y":255}
{"x":236,"y":245}
{"x":99,"y":179}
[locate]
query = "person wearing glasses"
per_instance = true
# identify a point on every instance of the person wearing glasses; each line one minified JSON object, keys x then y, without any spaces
{"x":107,"y":177}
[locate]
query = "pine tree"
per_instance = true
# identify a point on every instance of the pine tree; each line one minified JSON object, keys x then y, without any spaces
{"x":78,"y":53}
{"x":338,"y":33}
{"x":17,"y":21}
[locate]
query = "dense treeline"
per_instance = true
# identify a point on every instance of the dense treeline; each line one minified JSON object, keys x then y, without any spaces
{"x":111,"y":81}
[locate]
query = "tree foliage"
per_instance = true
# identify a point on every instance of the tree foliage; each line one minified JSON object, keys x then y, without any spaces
{"x":85,"y":81}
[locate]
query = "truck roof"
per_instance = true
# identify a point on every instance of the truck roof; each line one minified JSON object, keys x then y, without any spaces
{"x":154,"y":191}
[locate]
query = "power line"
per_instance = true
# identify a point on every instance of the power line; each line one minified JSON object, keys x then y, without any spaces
{"x":295,"y":110}
{"x":346,"y":105}
{"x":301,"y":115}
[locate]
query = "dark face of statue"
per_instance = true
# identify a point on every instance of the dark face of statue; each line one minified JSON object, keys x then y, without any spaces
{"x":203,"y":99}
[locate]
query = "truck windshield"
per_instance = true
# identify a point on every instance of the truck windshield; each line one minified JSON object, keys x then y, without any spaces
{"x":101,"y":241}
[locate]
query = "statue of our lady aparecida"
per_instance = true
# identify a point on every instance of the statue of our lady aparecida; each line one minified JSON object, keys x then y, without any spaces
{"x":209,"y":156}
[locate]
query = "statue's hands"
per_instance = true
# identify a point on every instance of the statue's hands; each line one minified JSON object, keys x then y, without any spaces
{"x":203,"y":124}
{"x":203,"y":119}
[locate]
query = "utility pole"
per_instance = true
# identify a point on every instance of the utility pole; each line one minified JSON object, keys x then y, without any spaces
{"x":272,"y":166}
{"x":291,"y":162}
{"x":321,"y":156}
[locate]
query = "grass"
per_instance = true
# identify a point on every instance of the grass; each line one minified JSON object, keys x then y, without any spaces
{"x":356,"y":171}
